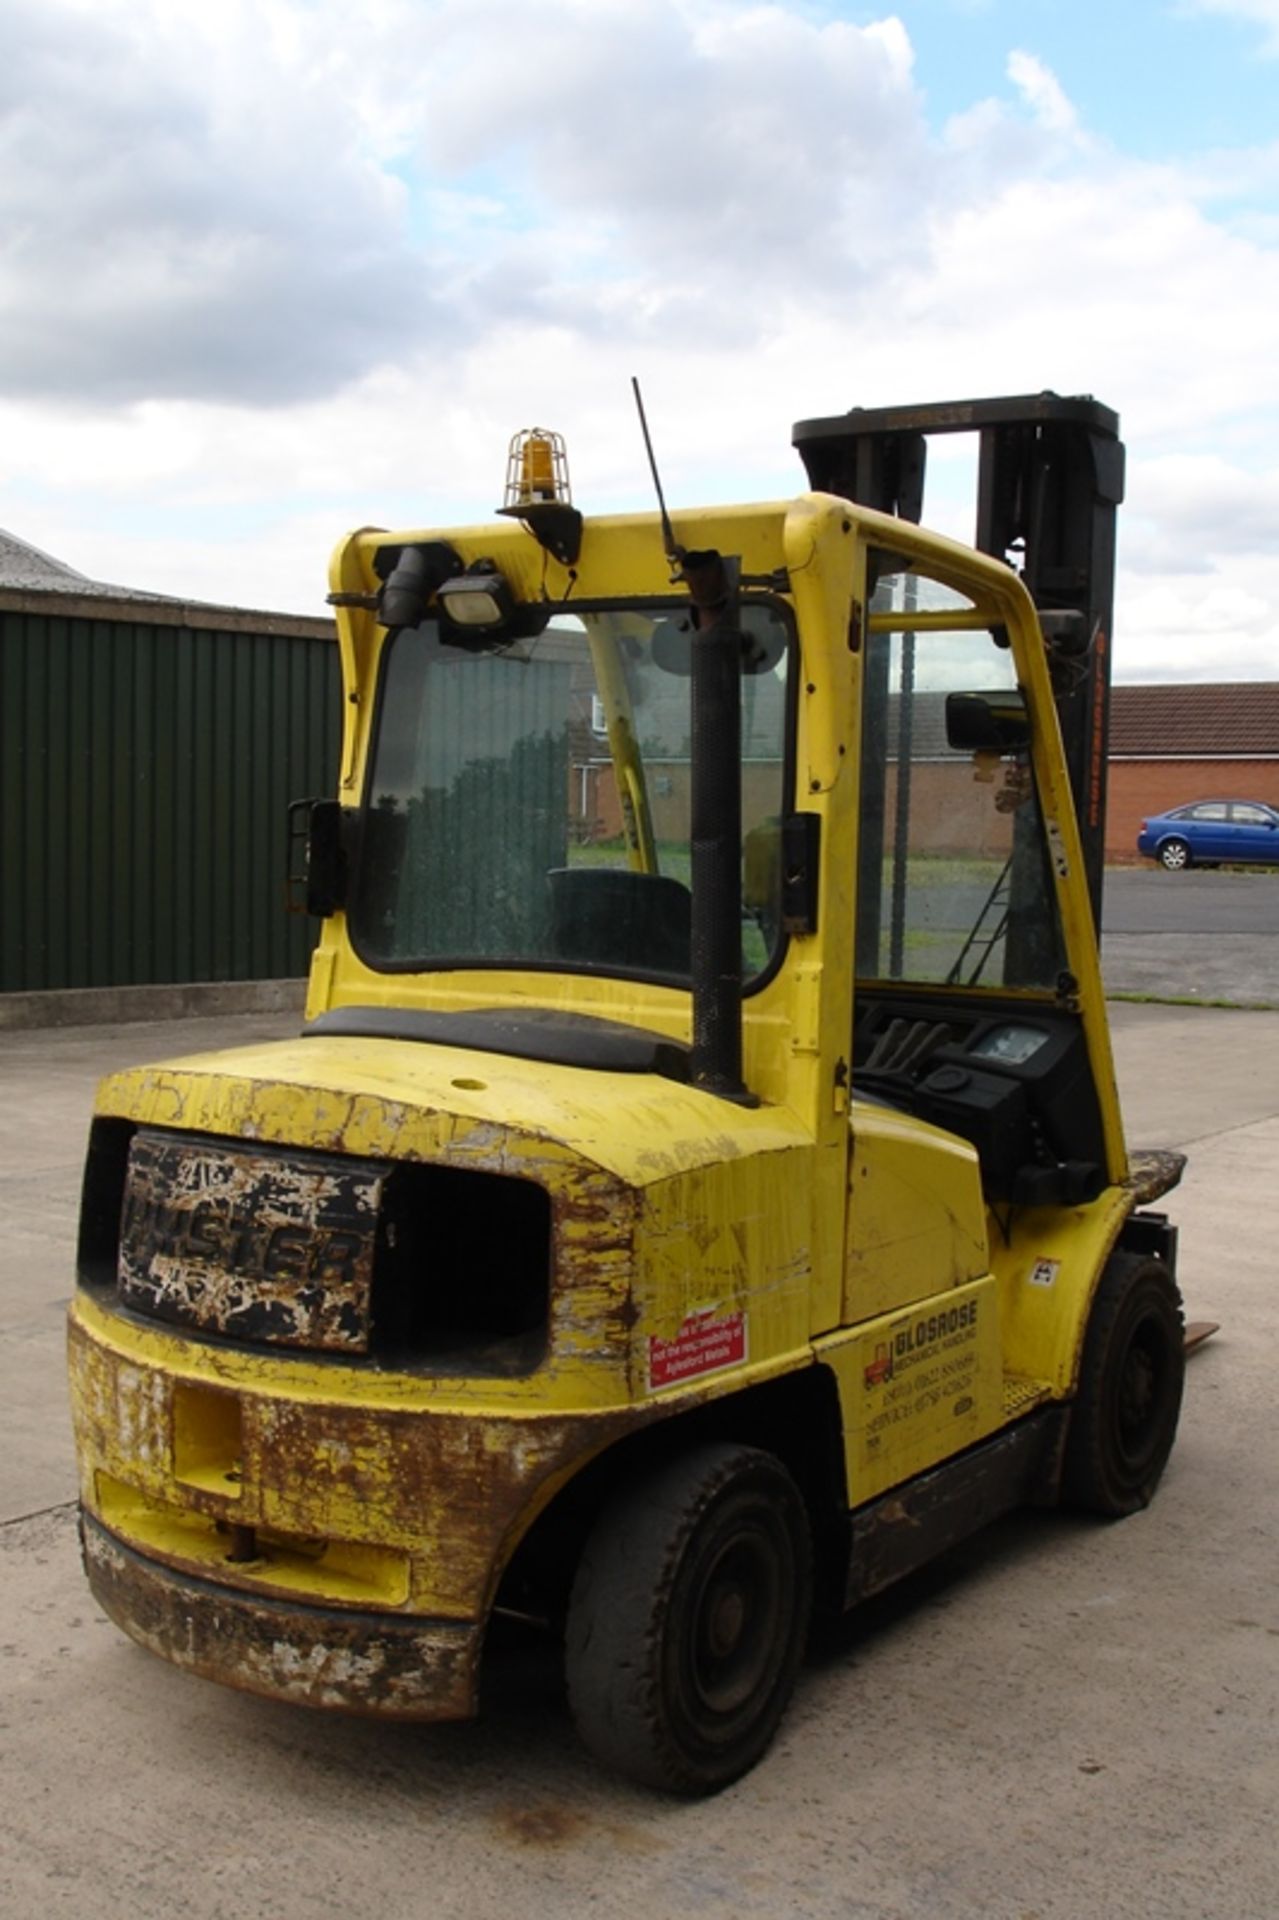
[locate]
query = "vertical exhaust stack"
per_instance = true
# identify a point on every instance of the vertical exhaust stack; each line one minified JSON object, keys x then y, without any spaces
{"x":716,"y":701}
{"x":716,"y":957}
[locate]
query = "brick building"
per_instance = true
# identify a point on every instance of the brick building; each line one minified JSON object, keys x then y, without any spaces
{"x":1174,"y":744}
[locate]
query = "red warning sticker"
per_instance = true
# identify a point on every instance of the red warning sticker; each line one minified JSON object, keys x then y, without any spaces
{"x":703,"y":1344}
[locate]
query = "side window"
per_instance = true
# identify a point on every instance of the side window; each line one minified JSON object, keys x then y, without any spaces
{"x":1246,"y":816}
{"x":1210,"y":810}
{"x":953,"y":883}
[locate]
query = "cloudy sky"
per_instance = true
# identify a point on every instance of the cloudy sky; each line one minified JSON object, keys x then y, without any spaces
{"x":273,"y":268}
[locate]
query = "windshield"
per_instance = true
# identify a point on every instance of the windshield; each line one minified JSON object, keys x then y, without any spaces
{"x":531,"y":806}
{"x":954,"y":885}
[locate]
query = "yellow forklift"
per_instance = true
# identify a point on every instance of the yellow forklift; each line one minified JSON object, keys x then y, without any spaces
{"x":698,"y":1192}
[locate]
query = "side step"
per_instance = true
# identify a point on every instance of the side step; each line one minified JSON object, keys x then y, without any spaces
{"x":897,"y":1533}
{"x":1022,"y":1393}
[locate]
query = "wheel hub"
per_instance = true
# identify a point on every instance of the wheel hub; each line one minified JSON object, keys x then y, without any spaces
{"x":1139,"y":1389}
{"x":737,"y":1616}
{"x":727,"y":1618}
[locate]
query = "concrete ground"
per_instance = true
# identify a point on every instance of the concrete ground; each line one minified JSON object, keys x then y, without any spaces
{"x":1063,"y":1719}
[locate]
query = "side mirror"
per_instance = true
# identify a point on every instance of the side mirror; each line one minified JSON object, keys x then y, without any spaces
{"x":316,"y":839}
{"x":987,"y":722}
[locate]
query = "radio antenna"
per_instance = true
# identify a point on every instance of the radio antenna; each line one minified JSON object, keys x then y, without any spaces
{"x":674,"y":551}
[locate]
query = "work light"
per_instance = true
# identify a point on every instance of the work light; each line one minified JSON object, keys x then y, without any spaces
{"x":478,"y":599}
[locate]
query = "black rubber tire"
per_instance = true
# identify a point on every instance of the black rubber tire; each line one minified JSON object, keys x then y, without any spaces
{"x":688,"y":1618}
{"x":1175,"y":856}
{"x":1124,"y":1419}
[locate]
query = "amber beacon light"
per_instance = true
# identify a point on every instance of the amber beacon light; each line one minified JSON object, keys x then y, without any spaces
{"x":536,"y":471}
{"x":538,"y":492}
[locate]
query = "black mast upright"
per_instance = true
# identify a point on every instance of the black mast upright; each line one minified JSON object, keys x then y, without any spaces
{"x":1050,"y":478}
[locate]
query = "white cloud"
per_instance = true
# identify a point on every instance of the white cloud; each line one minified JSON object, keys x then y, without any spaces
{"x":1188,"y":628}
{"x":263,"y":275}
{"x":1202,"y":504}
{"x":709,"y":147}
{"x":1200,"y":570}
{"x":1259,"y":13}
{"x":1042,"y":92}
{"x":186,"y":209}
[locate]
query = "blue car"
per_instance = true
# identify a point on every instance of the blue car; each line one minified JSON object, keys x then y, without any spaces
{"x":1212,"y":833}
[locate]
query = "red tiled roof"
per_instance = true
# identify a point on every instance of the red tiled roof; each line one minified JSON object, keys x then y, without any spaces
{"x":1200,"y":721}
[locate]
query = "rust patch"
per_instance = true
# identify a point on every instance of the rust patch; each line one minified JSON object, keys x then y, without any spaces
{"x":1153,"y":1171}
{"x":593,"y":1306}
{"x":548,"y":1824}
{"x":544,"y":1824}
{"x":455,"y":1491}
{"x":254,"y":1245}
{"x":409,"y":1669}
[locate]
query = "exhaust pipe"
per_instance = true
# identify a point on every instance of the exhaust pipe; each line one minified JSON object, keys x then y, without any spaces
{"x":716,"y":948}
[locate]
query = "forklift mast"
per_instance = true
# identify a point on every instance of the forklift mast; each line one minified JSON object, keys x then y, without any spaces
{"x":1050,"y":477}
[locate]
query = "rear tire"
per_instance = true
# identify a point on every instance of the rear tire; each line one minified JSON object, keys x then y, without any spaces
{"x":1175,"y":855}
{"x":1124,"y":1419}
{"x":687,"y":1620}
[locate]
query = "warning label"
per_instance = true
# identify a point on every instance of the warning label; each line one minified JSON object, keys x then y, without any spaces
{"x":703,"y":1344}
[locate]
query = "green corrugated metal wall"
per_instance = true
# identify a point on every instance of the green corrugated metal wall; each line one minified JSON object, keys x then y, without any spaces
{"x":144,"y":775}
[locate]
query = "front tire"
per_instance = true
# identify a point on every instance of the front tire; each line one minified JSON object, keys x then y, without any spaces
{"x":1124,"y":1419}
{"x":1174,"y":855}
{"x":687,"y":1620}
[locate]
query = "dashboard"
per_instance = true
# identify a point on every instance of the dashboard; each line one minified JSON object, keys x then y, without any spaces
{"x":1013,"y":1081}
